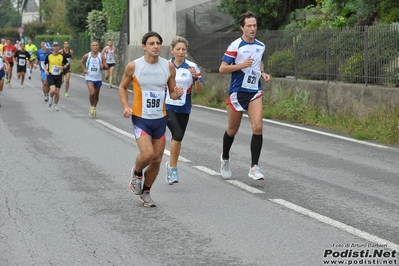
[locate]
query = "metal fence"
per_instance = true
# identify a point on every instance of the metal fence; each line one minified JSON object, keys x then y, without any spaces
{"x":365,"y":55}
{"x":79,"y":46}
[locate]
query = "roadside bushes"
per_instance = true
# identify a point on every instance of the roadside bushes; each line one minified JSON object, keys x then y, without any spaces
{"x":281,"y":63}
{"x":353,"y":55}
{"x":10,"y":32}
{"x":51,"y":38}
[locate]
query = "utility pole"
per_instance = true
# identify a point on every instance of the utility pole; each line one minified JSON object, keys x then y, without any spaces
{"x":40,"y":11}
{"x":18,"y":21}
{"x":149,"y":16}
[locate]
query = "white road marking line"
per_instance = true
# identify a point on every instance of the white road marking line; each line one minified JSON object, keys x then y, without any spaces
{"x":284,"y":203}
{"x":114,"y":128}
{"x":206,"y":170}
{"x":78,"y":75}
{"x":28,"y":84}
{"x":181,"y":159}
{"x":245,"y":186}
{"x":339,"y":225}
{"x":127,"y":134}
{"x":332,"y":135}
{"x":312,"y":130}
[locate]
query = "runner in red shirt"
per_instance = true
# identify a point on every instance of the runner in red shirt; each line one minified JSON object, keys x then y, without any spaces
{"x":9,"y":51}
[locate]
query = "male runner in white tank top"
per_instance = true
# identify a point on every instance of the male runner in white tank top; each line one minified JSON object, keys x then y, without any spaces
{"x":92,"y":65}
{"x":151,"y":75}
{"x":111,"y":54}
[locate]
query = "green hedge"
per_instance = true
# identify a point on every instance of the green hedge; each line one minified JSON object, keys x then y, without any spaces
{"x":32,"y":29}
{"x":10,"y":32}
{"x":388,"y":11}
{"x":281,"y":63}
{"x":53,"y":38}
{"x":114,"y":10}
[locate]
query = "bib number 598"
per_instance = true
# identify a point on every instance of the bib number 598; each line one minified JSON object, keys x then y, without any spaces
{"x":152,"y":103}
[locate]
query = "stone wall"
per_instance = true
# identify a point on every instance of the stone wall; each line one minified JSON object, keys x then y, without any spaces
{"x":332,"y":97}
{"x":205,"y":15}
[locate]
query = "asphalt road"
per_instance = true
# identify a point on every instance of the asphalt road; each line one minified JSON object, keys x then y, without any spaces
{"x":65,"y":198}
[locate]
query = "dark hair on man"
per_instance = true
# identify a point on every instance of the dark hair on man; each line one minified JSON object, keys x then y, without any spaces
{"x":244,"y":16}
{"x":151,"y":34}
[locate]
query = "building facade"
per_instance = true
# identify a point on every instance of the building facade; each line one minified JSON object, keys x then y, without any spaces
{"x":30,"y":11}
{"x":168,"y":18}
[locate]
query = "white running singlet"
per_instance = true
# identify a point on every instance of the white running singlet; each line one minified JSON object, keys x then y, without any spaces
{"x":93,"y":67}
{"x":149,"y":88}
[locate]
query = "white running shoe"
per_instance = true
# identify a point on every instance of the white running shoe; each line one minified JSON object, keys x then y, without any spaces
{"x":91,"y":112}
{"x":147,"y":200}
{"x":56,"y":108}
{"x":254,"y":173}
{"x":168,"y":173}
{"x":22,"y":86}
{"x":225,"y":169}
{"x":172,"y":174}
{"x":50,"y":102}
{"x":135,"y":184}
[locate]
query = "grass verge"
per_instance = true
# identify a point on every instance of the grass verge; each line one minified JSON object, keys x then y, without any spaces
{"x":381,"y":125}
{"x":75,"y":68}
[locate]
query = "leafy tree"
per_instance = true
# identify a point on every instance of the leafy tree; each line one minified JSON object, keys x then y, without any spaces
{"x":270,"y":13}
{"x":9,"y":33}
{"x":54,"y":14}
{"x":114,"y":10}
{"x":388,"y":11}
{"x":8,"y":14}
{"x":97,"y":25}
{"x":18,"y":5}
{"x":339,"y":14}
{"x":76,"y":12}
{"x":355,"y":12}
{"x":34,"y":28}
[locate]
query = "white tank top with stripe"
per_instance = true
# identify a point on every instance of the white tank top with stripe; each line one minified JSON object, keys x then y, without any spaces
{"x":93,"y":67}
{"x":149,"y":86}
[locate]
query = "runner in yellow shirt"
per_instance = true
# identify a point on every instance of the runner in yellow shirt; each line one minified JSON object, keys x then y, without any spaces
{"x":1,"y":46}
{"x":32,"y":50}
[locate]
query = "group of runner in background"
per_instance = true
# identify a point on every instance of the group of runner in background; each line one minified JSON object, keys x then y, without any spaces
{"x":55,"y":67}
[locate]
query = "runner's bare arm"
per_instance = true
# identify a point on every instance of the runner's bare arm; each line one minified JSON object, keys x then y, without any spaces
{"x":104,"y":60}
{"x":226,"y":68}
{"x":72,"y":57}
{"x":83,"y":63}
{"x":265,"y":77}
{"x":175,"y":92}
{"x":123,"y":93}
{"x":5,"y":61}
